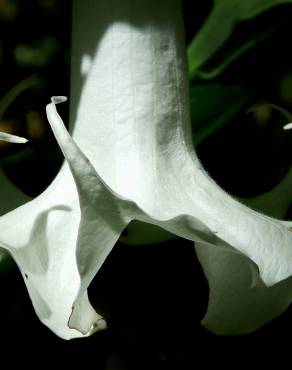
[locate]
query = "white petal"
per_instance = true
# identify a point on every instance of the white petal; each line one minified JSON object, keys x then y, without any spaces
{"x":238,"y":303}
{"x":235,"y":306}
{"x":12,"y":138}
{"x":102,"y":220}
{"x":44,"y":235}
{"x":41,"y":237}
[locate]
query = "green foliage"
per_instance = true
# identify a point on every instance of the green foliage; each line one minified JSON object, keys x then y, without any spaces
{"x":36,"y":55}
{"x":13,"y":93}
{"x":213,"y":105}
{"x":218,"y":28}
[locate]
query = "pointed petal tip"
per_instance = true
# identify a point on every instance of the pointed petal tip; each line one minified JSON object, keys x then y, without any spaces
{"x":58,"y":99}
{"x":12,"y":138}
{"x":22,"y":140}
{"x":288,"y":126}
{"x":98,"y":325}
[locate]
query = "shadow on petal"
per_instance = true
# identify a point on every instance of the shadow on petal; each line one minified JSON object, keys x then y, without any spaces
{"x":34,"y":258}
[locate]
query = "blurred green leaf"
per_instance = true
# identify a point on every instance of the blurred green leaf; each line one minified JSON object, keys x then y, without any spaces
{"x":214,"y":105}
{"x":20,"y":155}
{"x":233,"y":55}
{"x":36,"y":55}
{"x":7,"y":263}
{"x":13,"y":93}
{"x":219,"y":26}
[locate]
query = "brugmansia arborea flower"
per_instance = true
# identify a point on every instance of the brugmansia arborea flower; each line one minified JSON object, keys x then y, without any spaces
{"x":130,"y":157}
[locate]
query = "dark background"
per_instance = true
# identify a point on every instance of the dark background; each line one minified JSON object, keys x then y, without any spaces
{"x":152,"y":296}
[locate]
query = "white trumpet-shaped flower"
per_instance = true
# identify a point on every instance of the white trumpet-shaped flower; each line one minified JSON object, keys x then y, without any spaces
{"x":132,"y":158}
